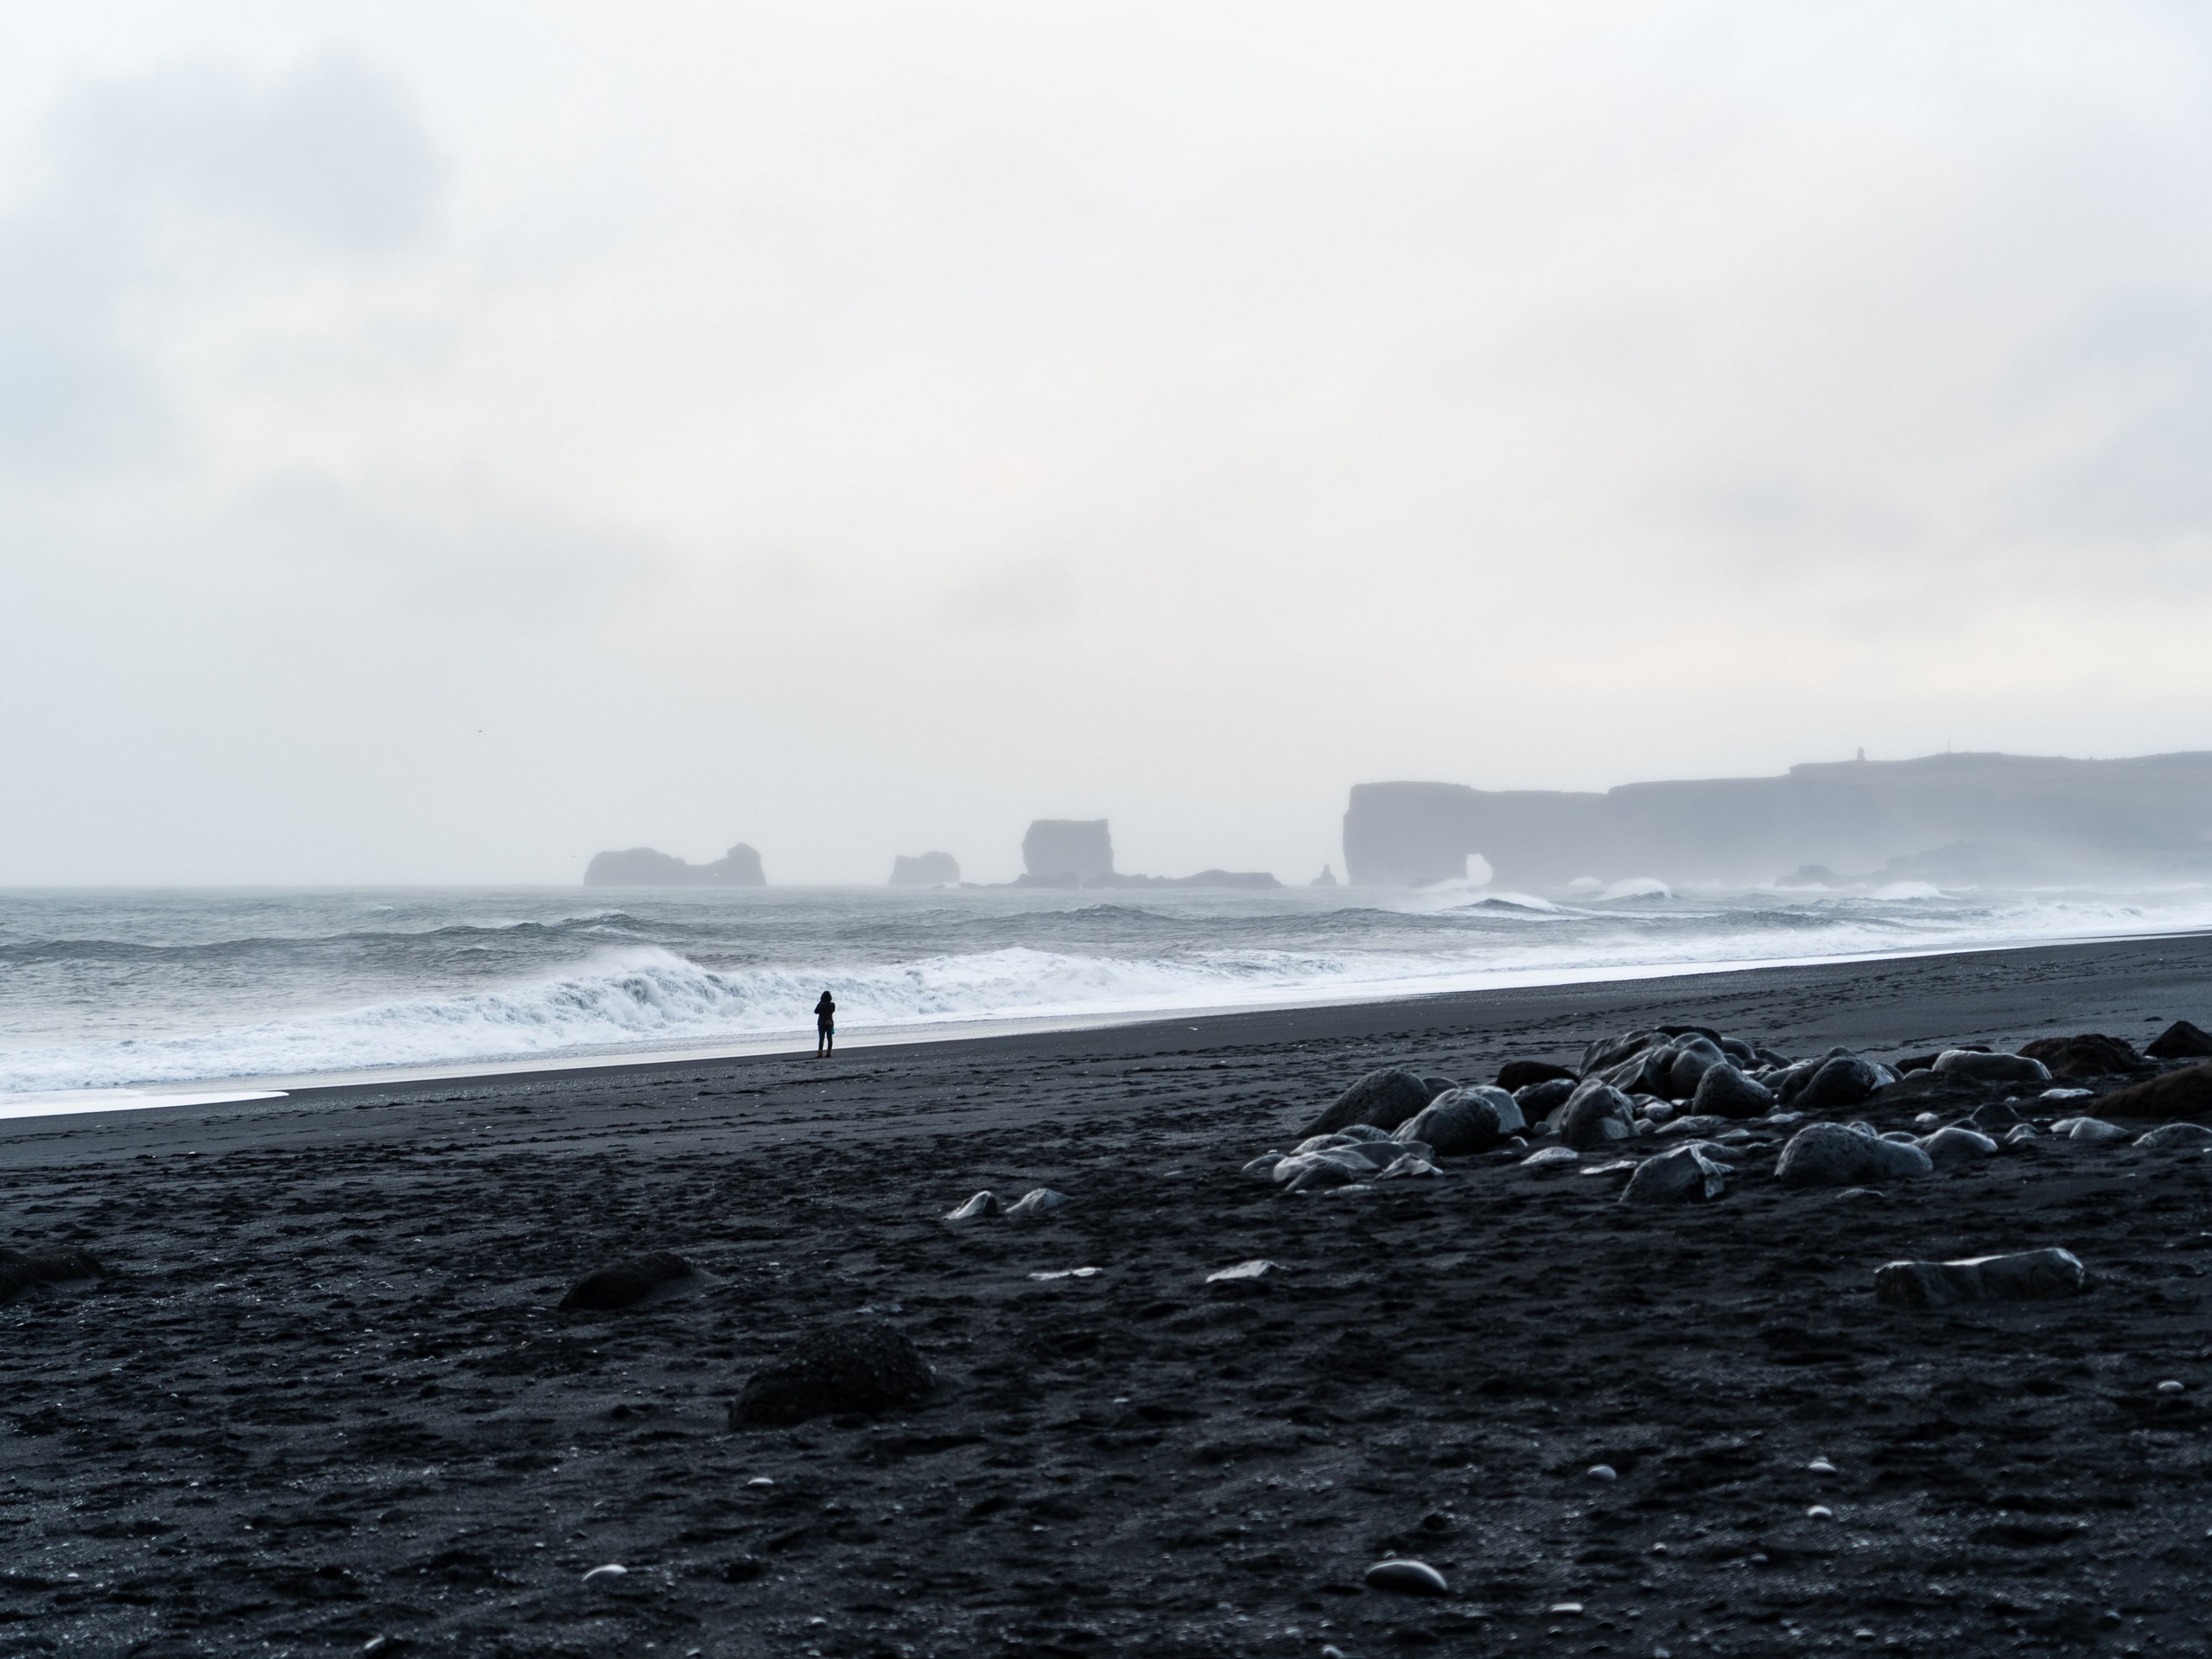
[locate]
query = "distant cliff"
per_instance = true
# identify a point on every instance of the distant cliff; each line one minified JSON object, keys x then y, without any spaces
{"x":1954,"y":818}
{"x":641,"y":867}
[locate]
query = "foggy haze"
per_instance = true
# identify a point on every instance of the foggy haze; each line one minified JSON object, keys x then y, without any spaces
{"x":442,"y":443}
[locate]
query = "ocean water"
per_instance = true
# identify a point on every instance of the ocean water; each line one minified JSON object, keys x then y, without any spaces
{"x":133,"y":989}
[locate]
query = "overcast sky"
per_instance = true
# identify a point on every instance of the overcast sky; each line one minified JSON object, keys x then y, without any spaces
{"x":439,"y":442}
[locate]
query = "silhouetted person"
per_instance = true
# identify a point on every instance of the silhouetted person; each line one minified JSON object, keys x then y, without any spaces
{"x":825,"y":1025}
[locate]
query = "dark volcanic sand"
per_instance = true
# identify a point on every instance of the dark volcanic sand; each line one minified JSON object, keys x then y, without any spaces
{"x":327,"y":1396}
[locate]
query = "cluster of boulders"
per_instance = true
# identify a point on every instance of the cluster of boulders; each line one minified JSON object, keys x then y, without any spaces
{"x":1677,"y":1108}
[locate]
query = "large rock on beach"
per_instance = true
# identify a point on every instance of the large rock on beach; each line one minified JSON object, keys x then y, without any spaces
{"x":1694,"y":1058}
{"x":1606,"y":1052}
{"x":1464,"y":1121}
{"x":1848,"y":1154}
{"x":2091,"y":1054}
{"x":2031,"y":1275}
{"x":1538,"y":1101}
{"x":1837,"y":1084}
{"x":1973,"y":1066}
{"x":2181,"y":1041}
{"x":2185,"y":1093}
{"x":1384,"y":1099}
{"x":1957,"y":1145}
{"x":1685,"y":1175}
{"x":1517,"y":1075}
{"x":2176,"y":1137}
{"x":867,"y":1367}
{"x":1596,"y":1116}
{"x":1723,"y":1091}
{"x":626,"y":1283}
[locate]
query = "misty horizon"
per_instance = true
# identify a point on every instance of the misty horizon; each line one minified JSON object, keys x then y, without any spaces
{"x":426,"y":459}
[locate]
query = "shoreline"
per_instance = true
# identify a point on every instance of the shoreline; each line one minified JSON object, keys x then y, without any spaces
{"x":1886,"y":1004}
{"x":219,"y":1091}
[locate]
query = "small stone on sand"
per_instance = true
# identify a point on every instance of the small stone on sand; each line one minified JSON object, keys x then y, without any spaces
{"x":606,"y":1575}
{"x":1258,"y":1267}
{"x":1406,"y":1578}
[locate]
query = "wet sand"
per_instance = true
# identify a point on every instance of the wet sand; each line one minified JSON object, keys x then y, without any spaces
{"x":324,"y":1396}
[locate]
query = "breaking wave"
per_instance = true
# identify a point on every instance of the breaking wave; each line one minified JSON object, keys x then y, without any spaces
{"x":198,"y":992}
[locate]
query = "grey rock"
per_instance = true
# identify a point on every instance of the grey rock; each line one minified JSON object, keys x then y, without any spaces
{"x":1262,"y":1169}
{"x":2031,"y":1275}
{"x":1723,"y":1091}
{"x":1957,"y":1146}
{"x":2176,"y":1137}
{"x":1694,"y":1127}
{"x":1407,"y":1579}
{"x":626,"y":1283}
{"x":1438,"y":1086}
{"x":1460,"y":1121}
{"x":1974,"y":1066}
{"x":2021,"y":1134}
{"x":1682,"y":1175}
{"x":1412,"y":1165}
{"x":1840,"y":1155}
{"x":1551,"y":1158}
{"x":1694,"y":1058}
{"x":1036,"y":1204}
{"x":1611,"y":1051}
{"x":986,"y":1204}
{"x":1539,"y":1100}
{"x":1383,"y":1099}
{"x":1839,"y":1084}
{"x":1993,"y":1118}
{"x":1596,"y":1117}
{"x":2089,"y":1131}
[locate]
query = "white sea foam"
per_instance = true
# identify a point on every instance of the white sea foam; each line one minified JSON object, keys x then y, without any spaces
{"x":563,"y":985}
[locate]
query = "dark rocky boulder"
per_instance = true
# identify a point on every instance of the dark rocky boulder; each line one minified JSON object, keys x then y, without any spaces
{"x":1516,"y":1075}
{"x":2181,"y":1041}
{"x":867,"y":1368}
{"x":1838,"y":1085}
{"x":1464,"y":1121}
{"x":2092,"y":1054}
{"x":1608,"y":1052}
{"x":1438,"y":1086}
{"x":1597,"y":1115}
{"x":625,"y":1283}
{"x":1538,"y":1101}
{"x":2185,"y":1093}
{"x":1685,"y":1175}
{"x":1723,"y":1091}
{"x":1694,"y":1058}
{"x":2031,"y":1275}
{"x":1842,"y":1154}
{"x":1385,"y":1099}
{"x":1979,"y":1066}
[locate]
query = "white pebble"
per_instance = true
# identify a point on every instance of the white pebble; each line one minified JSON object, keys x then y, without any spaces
{"x":1821,"y":1466}
{"x":1819,"y":1512}
{"x":606,"y":1575}
{"x":2169,"y":1387}
{"x":1603,"y":1472}
{"x":1566,"y":1607}
{"x":760,"y":1480}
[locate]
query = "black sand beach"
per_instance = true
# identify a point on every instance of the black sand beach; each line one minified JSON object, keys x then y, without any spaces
{"x":325,"y":1397}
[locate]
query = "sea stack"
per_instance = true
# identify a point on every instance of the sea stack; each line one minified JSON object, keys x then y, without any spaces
{"x":925,"y":870}
{"x":1066,"y":852}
